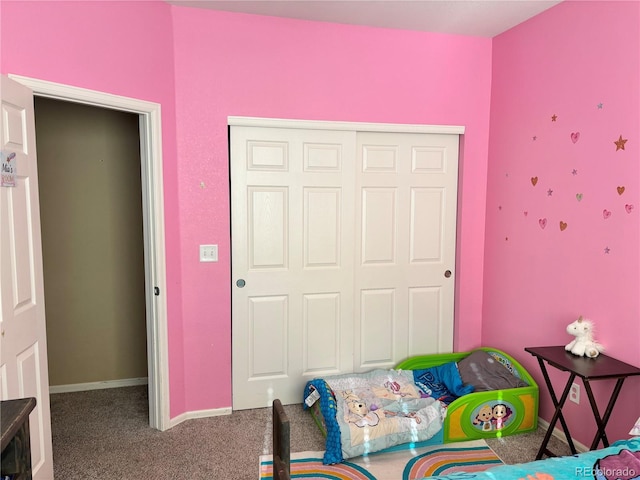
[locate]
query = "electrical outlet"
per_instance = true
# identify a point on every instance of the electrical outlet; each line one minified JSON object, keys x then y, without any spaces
{"x":574,"y":393}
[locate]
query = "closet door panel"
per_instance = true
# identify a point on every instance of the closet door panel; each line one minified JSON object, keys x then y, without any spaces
{"x":406,"y":210}
{"x":292,"y":292}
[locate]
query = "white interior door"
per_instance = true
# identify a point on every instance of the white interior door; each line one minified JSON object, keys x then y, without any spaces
{"x":23,"y":356}
{"x":341,"y":244}
{"x":405,"y":246}
{"x":292,"y":226}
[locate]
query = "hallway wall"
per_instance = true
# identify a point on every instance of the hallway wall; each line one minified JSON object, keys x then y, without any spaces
{"x":93,"y":253}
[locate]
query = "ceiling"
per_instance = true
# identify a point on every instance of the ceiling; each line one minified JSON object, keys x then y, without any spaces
{"x":482,"y":18}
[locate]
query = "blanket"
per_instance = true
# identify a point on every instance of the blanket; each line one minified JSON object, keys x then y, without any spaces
{"x":373,"y":411}
{"x":620,"y":461}
{"x":487,"y":372}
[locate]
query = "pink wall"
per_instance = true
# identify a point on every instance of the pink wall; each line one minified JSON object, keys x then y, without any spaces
{"x":580,"y":62}
{"x":123,"y":48}
{"x":232,"y":64}
{"x":235,"y":64}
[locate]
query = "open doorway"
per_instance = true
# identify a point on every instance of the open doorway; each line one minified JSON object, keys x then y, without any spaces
{"x":93,"y":248}
{"x":151,"y":180}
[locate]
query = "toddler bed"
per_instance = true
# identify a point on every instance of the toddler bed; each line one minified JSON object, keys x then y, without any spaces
{"x":424,"y":400}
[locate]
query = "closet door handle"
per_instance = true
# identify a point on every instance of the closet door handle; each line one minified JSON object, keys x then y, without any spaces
{"x":447,"y":273}
{"x":241,"y":283}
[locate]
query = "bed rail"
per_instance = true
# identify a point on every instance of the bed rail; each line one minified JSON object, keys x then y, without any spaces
{"x":281,"y":443}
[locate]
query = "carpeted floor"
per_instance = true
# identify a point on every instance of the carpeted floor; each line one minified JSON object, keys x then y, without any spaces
{"x":105,"y":435}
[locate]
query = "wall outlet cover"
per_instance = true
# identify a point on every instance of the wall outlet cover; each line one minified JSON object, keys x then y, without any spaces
{"x":574,"y":393}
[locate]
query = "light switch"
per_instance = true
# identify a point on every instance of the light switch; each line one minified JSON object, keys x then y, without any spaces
{"x":208,"y":253}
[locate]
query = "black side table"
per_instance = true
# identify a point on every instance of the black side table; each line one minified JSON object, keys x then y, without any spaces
{"x":600,"y":368}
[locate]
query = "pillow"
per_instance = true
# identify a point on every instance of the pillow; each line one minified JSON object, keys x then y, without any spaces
{"x":485,"y":373}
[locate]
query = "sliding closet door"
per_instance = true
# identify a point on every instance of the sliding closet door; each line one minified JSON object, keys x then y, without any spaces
{"x":405,"y":246}
{"x":292,"y":196}
{"x":343,"y":250}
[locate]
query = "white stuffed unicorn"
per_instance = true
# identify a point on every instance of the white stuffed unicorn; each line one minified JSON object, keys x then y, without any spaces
{"x":583,"y":344}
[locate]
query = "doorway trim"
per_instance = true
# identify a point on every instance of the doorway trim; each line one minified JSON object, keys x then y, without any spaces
{"x":150,"y":126}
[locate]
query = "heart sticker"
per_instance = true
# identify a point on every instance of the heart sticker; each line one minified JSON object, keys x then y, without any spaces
{"x":606,"y":213}
{"x":563,"y":226}
{"x":628,"y":207}
{"x":578,"y":196}
{"x":534,"y":180}
{"x":575,"y":137}
{"x":620,"y":190}
{"x":542,"y":222}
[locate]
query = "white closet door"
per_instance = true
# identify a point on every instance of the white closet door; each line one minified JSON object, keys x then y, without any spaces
{"x":341,"y":244}
{"x":405,"y":246}
{"x":292,"y":196}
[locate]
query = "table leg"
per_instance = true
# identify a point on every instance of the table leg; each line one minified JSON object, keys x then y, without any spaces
{"x":602,"y":422}
{"x":557,"y":415}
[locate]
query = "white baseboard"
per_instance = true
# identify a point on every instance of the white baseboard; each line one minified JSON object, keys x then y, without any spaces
{"x":81,"y":387}
{"x":214,"y":412}
{"x":559,"y":434}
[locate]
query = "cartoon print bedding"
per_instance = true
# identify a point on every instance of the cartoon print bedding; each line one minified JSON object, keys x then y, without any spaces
{"x":620,"y":461}
{"x":372,"y":411}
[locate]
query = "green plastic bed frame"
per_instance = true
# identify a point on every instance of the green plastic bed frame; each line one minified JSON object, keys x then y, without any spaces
{"x":464,"y":415}
{"x":464,"y":420}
